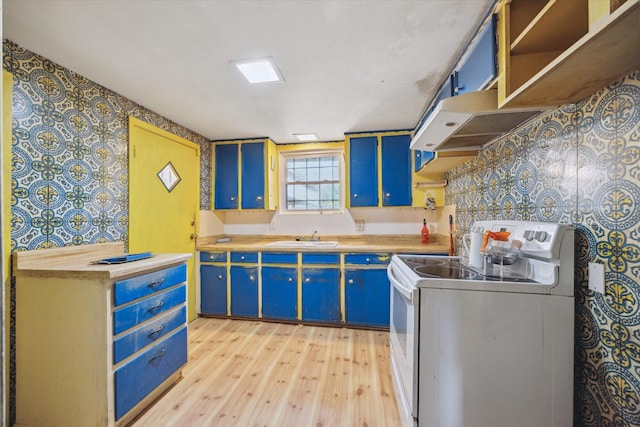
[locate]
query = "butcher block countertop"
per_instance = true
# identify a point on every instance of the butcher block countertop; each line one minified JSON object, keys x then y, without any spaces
{"x":76,"y":262}
{"x":371,"y":243}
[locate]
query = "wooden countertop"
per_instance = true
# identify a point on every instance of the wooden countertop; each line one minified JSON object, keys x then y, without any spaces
{"x":370,"y":243}
{"x":75,"y":262}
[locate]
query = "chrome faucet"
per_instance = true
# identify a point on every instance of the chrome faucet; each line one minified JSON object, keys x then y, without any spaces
{"x":310,"y":239}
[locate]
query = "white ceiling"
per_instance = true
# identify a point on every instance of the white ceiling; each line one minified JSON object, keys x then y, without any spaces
{"x":349,"y":66}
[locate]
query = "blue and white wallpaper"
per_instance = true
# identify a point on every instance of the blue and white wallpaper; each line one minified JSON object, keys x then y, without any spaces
{"x":578,"y":164}
{"x":69,"y":155}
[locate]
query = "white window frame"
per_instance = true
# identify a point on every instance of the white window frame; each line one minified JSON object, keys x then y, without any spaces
{"x":297,"y":154}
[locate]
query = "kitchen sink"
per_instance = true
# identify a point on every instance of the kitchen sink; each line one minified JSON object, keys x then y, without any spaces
{"x":303,"y":244}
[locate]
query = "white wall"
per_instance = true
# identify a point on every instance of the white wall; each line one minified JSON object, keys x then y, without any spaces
{"x":377,"y":221}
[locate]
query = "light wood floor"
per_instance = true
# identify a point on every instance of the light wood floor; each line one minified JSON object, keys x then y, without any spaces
{"x":249,"y":373}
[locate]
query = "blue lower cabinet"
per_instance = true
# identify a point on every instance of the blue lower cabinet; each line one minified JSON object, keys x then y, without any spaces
{"x":125,"y":345}
{"x":131,"y":315}
{"x":140,"y":376}
{"x":367,"y":297}
{"x":213,"y":289}
{"x":321,"y":295}
{"x":244,"y":291}
{"x":279,"y":293}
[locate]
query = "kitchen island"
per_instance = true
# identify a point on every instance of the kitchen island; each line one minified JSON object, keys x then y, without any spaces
{"x":96,"y":343}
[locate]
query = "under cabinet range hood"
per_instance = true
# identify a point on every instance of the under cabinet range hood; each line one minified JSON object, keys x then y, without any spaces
{"x":468,"y":122}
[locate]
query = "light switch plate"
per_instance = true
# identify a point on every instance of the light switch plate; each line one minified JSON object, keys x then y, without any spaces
{"x":596,"y":277}
{"x":360,"y":224}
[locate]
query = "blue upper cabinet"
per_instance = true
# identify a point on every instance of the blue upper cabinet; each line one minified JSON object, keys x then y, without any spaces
{"x":363,"y":171}
{"x":447,"y":90}
{"x":396,"y":170}
{"x":245,"y":175}
{"x":387,"y":153}
{"x":226,"y":176}
{"x":478,"y":68}
{"x":253,"y":165}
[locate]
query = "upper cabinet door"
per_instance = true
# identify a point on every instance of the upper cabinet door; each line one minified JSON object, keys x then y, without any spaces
{"x":479,"y":67}
{"x":396,"y":170}
{"x":226,"y":176}
{"x":363,"y":171}
{"x":253,"y":164}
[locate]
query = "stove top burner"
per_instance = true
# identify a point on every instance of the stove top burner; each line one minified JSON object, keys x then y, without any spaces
{"x":450,"y":272}
{"x":451,"y":268}
{"x":424,"y":261}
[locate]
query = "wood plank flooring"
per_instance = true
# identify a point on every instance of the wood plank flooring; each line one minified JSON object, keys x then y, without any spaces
{"x":250,"y":373}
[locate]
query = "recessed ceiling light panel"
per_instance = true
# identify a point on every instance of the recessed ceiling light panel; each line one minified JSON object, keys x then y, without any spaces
{"x":306,"y":136}
{"x":260,"y":70}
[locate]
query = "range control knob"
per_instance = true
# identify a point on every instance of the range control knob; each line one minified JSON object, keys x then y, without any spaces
{"x":528,"y":234}
{"x":541,"y":236}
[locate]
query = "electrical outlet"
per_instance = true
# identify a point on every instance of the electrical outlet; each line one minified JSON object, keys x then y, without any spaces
{"x":360,"y":224}
{"x":596,"y":277}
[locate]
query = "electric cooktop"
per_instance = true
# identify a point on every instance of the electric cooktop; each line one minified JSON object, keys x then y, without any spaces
{"x":451,"y":268}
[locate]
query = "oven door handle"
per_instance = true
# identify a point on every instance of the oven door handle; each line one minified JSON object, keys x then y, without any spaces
{"x":407,"y":292}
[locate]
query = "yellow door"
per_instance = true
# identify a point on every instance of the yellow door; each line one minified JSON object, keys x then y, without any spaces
{"x":164,"y":183}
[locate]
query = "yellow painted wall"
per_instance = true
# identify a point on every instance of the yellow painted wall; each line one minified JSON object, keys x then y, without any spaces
{"x":5,"y":143}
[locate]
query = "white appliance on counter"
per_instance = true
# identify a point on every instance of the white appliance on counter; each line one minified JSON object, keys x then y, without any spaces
{"x":489,"y":346}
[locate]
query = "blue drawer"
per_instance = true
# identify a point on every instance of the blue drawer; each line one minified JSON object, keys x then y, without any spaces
{"x":213,"y":257}
{"x":279,"y":257}
{"x":147,"y":284}
{"x":320,"y":258}
{"x":131,"y":315}
{"x":128,"y":344}
{"x":367,"y":259}
{"x":140,"y":376}
{"x":244,"y":257}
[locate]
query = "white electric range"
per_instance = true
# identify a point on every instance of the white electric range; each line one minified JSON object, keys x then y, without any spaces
{"x":489,"y":346}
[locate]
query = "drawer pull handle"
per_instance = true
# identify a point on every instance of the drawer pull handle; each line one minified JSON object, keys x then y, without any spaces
{"x":156,"y":331}
{"x":159,"y":355}
{"x":156,"y":283}
{"x":155,"y":307}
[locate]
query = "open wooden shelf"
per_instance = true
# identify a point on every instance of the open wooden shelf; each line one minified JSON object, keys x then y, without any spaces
{"x":557,"y":26}
{"x":443,"y":162}
{"x":608,"y":51}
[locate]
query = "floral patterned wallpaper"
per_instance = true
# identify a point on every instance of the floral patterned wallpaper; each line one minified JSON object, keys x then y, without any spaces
{"x":69,"y":160}
{"x":69,"y":148}
{"x":578,"y":164}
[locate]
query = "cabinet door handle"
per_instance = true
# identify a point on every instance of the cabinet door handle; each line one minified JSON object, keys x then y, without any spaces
{"x":155,"y":331}
{"x":290,"y":280}
{"x":355,"y":195}
{"x":351,"y":281}
{"x":307,"y":280}
{"x":155,"y":283}
{"x":387,"y":195}
{"x":259,"y":198}
{"x":157,"y":356}
{"x":155,"y":307}
{"x":220,"y":276}
{"x":232,"y":198}
{"x":252,"y":278}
